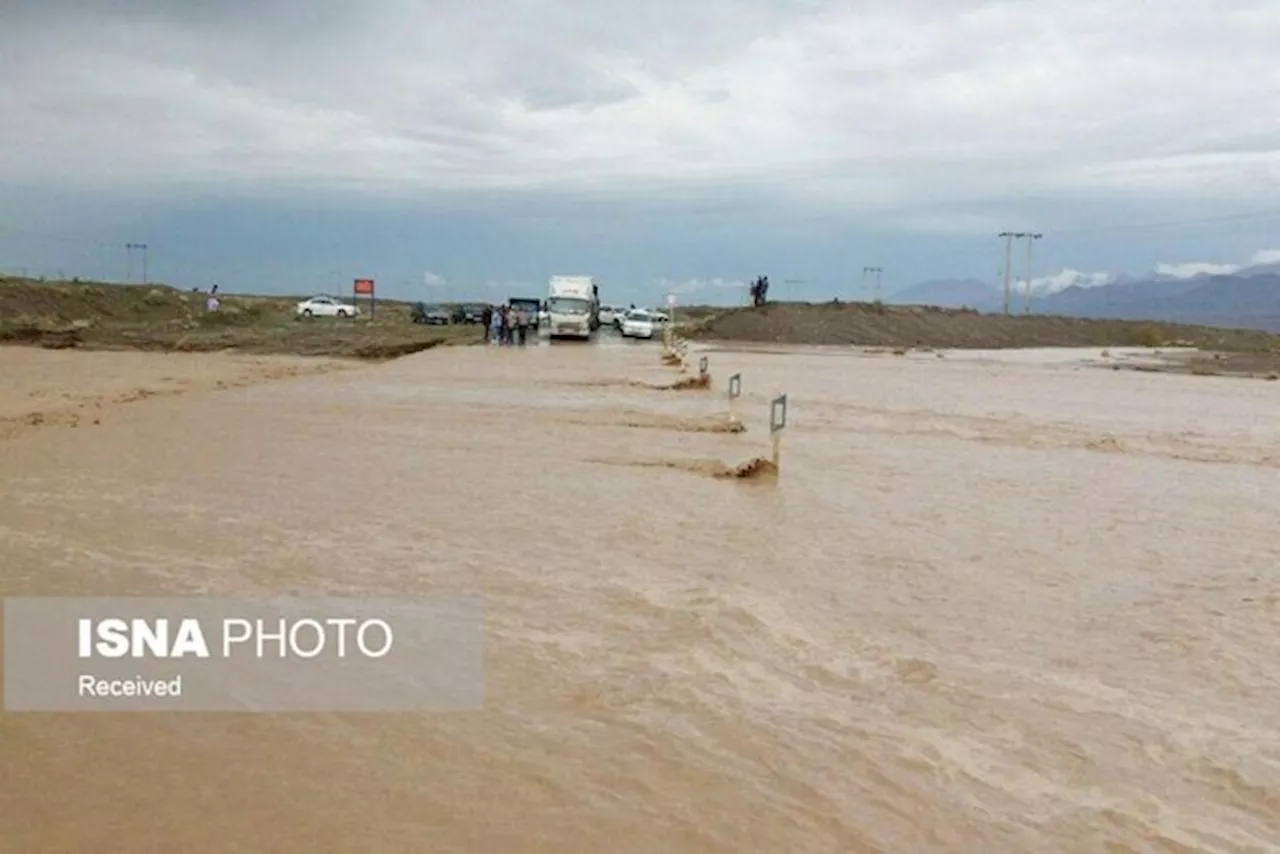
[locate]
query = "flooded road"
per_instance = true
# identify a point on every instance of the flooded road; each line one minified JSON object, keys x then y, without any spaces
{"x":988,"y":605}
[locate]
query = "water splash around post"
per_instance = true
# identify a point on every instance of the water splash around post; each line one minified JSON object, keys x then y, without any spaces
{"x":735,"y":391}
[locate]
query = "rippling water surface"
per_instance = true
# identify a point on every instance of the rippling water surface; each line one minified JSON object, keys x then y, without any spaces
{"x":987,"y":606}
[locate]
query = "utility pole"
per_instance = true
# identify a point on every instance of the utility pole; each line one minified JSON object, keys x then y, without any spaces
{"x":1009,"y":237}
{"x":1032,"y":237}
{"x":872,"y":271}
{"x":128,"y":248}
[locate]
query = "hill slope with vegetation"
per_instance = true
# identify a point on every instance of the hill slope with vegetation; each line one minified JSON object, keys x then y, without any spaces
{"x":98,"y":315}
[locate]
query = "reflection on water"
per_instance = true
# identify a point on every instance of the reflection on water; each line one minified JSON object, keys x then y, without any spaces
{"x":988,"y":606}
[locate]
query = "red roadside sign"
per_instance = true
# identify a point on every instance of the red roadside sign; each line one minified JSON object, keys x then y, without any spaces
{"x":364,"y":287}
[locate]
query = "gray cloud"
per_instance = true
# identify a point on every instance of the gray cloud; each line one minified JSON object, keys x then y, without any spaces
{"x":870,"y":108}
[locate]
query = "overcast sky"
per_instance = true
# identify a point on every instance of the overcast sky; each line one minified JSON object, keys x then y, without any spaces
{"x":476,"y":147}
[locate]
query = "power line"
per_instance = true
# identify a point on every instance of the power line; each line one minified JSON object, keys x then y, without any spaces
{"x":735,"y":209}
{"x":1009,"y":236}
{"x":36,"y":235}
{"x":1209,"y":220}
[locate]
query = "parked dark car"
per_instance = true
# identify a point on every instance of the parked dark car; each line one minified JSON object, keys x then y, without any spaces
{"x":471,"y":312}
{"x":435,"y":315}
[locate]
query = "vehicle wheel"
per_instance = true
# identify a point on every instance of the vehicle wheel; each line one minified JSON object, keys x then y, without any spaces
{"x":341,"y":313}
{"x":306,"y":312}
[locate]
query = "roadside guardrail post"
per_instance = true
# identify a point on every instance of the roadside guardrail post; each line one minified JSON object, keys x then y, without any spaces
{"x":735,"y":392}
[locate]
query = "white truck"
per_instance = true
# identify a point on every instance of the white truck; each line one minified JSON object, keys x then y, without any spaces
{"x":573,"y":307}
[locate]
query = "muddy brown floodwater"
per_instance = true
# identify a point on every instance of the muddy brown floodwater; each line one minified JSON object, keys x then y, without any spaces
{"x":987,"y":606}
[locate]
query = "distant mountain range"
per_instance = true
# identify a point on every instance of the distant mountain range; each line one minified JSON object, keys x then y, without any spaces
{"x":1248,"y":299}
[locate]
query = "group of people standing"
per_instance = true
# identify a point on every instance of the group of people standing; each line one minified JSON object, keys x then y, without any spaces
{"x":507,"y":325}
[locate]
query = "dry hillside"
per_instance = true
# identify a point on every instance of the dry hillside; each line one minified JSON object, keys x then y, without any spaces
{"x":155,"y":317}
{"x":877,"y":325}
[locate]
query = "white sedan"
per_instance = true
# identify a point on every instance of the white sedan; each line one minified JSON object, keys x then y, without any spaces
{"x":325,"y":307}
{"x":637,"y":324}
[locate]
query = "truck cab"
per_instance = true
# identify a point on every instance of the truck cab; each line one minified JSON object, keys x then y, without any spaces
{"x":573,"y":307}
{"x":531,"y":307}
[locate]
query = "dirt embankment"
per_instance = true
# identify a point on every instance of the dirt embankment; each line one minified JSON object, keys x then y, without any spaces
{"x":875,"y":325}
{"x":94,"y":315}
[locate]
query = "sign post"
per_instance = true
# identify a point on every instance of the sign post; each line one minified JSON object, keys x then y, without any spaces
{"x":777,"y":423}
{"x":364,"y":287}
{"x":735,"y":392}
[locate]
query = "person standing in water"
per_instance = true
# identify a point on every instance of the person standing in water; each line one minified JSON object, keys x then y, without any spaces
{"x":522,"y":324}
{"x":495,"y":327}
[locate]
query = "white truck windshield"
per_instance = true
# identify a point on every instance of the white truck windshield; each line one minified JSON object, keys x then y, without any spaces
{"x":568,"y":305}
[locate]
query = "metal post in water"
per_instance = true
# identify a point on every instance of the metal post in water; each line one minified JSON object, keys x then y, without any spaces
{"x":735,"y":391}
{"x":777,"y":423}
